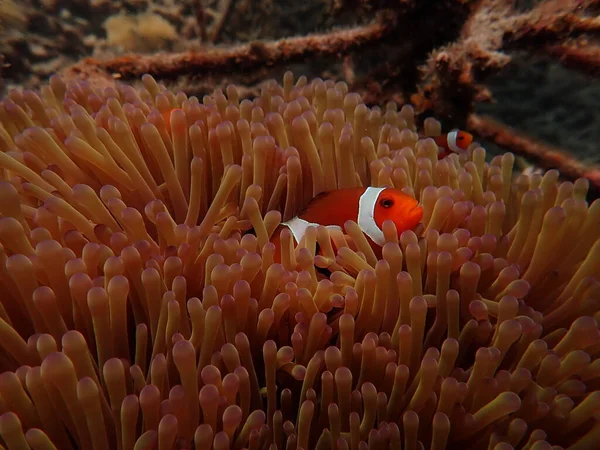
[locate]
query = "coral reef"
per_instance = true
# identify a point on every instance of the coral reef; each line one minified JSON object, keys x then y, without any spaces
{"x":442,"y":73}
{"x":471,"y":41}
{"x":144,"y":32}
{"x":38,"y":38}
{"x":11,"y":15}
{"x":53,"y":34}
{"x":136,"y":313}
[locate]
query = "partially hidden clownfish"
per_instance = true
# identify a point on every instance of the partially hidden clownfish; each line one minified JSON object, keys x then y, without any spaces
{"x":369,"y":207}
{"x":455,"y":141}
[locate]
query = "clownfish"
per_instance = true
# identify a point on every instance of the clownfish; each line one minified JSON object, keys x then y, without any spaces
{"x":369,"y":207}
{"x":455,"y":141}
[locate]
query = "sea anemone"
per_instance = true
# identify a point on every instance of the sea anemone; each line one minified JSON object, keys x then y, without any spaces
{"x":136,"y":312}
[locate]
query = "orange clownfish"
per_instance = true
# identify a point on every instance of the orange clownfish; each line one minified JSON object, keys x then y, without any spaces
{"x":368,"y":207}
{"x":455,"y":141}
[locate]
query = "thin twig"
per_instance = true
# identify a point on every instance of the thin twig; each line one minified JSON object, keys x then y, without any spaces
{"x":201,"y":19}
{"x":220,"y":23}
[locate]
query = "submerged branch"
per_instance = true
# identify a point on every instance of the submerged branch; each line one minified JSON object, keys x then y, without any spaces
{"x":543,"y":155}
{"x":242,"y":57}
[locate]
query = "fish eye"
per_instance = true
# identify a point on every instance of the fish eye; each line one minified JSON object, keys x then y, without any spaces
{"x":460,"y":138}
{"x":386,"y":203}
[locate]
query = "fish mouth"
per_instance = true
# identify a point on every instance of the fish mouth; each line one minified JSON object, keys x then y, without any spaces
{"x":415,"y":214}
